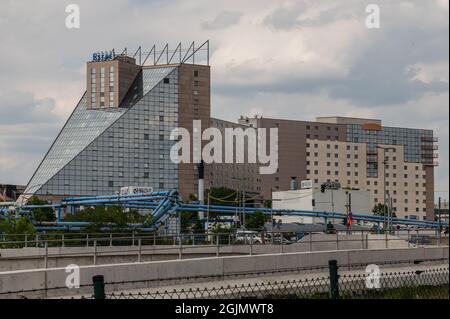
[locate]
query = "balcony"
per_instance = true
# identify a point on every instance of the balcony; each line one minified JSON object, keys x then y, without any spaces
{"x":433,"y":163}
{"x":429,"y":139}
{"x":429,"y":147}
{"x":429,"y":155}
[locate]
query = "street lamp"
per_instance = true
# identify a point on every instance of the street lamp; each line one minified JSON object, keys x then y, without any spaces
{"x":241,"y":186}
{"x":385,"y":162}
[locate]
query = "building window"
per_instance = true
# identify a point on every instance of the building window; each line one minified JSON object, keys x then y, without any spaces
{"x":196,"y":73}
{"x":93,"y":86}
{"x":111,"y":99}
{"x":110,"y":184}
{"x":102,"y":79}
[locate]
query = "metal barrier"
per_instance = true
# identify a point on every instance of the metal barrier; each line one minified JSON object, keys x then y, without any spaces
{"x":190,"y":244}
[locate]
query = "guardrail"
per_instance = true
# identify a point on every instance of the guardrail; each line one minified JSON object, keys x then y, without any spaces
{"x":186,"y":245}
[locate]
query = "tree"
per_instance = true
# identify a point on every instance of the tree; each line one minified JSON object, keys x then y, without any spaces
{"x":45,"y":214}
{"x":268,"y":203}
{"x":188,"y":219}
{"x":198,"y":227}
{"x":113,"y":217}
{"x":192,"y":197}
{"x":380,"y":209}
{"x":16,"y":229}
{"x":255,"y":221}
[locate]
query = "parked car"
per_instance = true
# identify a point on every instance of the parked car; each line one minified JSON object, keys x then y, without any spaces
{"x":248,"y":236}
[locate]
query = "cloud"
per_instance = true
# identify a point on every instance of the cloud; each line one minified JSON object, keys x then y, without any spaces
{"x":28,"y":126}
{"x":291,"y":59}
{"x":18,"y":107}
{"x":223,"y":20}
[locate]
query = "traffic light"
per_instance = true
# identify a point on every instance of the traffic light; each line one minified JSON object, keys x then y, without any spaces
{"x":323,"y":187}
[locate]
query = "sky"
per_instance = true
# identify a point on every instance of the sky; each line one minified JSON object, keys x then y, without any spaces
{"x":286,"y":59}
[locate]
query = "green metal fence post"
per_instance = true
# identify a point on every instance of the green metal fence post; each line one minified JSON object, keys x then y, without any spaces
{"x":99,"y":286}
{"x":334,"y":279}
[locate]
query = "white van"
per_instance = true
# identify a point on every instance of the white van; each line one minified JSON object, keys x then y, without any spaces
{"x":248,"y":236}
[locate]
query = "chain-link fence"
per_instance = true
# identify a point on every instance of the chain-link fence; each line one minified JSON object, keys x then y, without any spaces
{"x":425,"y":284}
{"x":420,"y":284}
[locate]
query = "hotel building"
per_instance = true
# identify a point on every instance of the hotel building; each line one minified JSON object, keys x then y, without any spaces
{"x":119,"y":135}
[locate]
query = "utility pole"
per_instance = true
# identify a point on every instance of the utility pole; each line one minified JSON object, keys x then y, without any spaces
{"x":347,"y":206}
{"x":390,"y":213}
{"x":243,"y":202}
{"x":349,"y":211}
{"x":385,"y":162}
{"x":439,"y":219}
{"x":332,"y":204}
{"x":384,"y":187}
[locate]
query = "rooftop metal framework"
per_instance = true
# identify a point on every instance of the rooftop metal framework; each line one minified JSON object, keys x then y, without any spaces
{"x":193,"y":54}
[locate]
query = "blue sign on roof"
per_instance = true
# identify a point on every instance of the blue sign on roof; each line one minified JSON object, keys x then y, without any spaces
{"x":103,"y":56}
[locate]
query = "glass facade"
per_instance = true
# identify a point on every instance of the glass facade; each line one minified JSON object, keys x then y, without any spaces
{"x":99,"y":151}
{"x":415,"y":141}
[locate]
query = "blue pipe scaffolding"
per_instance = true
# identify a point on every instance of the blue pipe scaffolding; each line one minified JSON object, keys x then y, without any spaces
{"x":164,"y":204}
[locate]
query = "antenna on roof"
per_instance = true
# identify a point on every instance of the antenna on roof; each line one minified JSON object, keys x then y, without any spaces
{"x":140,"y":54}
{"x":178,"y":49}
{"x":166,"y":49}
{"x":154,"y":55}
{"x":173,"y":56}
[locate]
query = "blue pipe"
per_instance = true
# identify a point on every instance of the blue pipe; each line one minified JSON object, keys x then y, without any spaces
{"x":169,"y":202}
{"x":72,"y":199}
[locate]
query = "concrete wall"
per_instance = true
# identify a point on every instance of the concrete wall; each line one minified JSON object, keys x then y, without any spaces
{"x":31,"y":258}
{"x":150,"y":274}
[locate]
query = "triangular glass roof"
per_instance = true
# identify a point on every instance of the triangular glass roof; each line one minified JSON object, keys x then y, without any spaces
{"x":84,"y":126}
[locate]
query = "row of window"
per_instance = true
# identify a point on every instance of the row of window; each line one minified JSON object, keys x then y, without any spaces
{"x":316,"y":127}
{"x":336,"y":146}
{"x":336,"y":155}
{"x":102,"y":86}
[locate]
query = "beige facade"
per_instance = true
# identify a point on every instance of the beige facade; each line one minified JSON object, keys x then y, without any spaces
{"x":337,"y":149}
{"x":345,"y":163}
